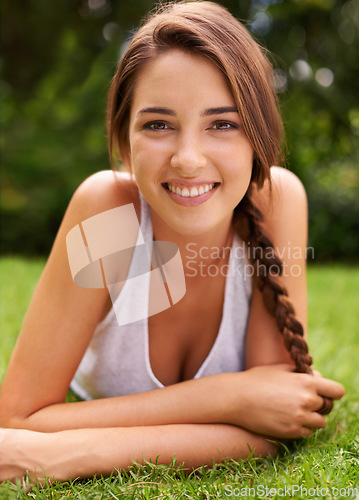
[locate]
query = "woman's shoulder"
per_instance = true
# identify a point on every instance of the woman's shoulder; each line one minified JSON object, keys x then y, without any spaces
{"x":285,"y":193}
{"x":284,"y":206}
{"x":104,"y":191}
{"x":286,"y":184}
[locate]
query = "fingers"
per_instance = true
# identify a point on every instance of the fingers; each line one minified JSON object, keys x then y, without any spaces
{"x":312,"y":422}
{"x":315,"y":421}
{"x":329,"y":388}
{"x":306,"y":432}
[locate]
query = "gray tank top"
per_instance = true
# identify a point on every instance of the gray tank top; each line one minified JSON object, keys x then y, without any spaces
{"x":117,"y":361}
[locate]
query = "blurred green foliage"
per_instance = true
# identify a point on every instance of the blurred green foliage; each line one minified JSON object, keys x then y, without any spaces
{"x":57,"y":64}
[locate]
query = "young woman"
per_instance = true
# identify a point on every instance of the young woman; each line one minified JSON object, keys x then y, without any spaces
{"x":192,"y":114}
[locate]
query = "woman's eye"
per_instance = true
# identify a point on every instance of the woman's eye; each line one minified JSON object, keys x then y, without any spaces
{"x":223,"y":126}
{"x":156,"y":126}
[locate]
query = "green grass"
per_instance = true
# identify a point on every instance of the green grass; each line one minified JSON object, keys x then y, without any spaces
{"x":328,"y":459}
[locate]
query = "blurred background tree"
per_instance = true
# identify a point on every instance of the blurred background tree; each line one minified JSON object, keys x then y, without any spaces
{"x":58,"y":59}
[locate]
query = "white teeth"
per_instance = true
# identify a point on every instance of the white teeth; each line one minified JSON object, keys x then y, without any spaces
{"x":193,"y":192}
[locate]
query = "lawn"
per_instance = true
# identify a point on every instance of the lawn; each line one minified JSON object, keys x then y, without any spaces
{"x":326,"y":465}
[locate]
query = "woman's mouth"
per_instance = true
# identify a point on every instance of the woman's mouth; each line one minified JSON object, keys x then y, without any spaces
{"x":190,"y":195}
{"x":190,"y":192}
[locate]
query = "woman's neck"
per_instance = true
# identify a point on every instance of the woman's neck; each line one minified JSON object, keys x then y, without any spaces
{"x":197,"y":251}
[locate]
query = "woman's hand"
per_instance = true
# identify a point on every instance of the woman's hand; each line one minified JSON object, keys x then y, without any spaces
{"x":277,"y":402}
{"x":22,"y":453}
{"x":38,"y":457}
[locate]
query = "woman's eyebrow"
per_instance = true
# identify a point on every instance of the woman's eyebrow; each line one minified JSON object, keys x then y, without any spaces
{"x":208,"y":112}
{"x":161,"y":111}
{"x":220,"y":111}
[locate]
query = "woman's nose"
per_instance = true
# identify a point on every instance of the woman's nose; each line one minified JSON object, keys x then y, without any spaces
{"x":188,"y":156}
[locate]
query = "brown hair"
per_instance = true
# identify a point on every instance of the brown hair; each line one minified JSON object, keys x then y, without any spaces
{"x":210,"y":31}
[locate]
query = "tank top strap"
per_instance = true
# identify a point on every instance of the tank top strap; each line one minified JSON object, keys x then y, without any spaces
{"x":146,"y":222}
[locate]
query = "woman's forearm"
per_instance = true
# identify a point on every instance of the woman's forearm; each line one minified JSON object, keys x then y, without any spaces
{"x":84,"y":452}
{"x":267,"y":400}
{"x":193,"y":401}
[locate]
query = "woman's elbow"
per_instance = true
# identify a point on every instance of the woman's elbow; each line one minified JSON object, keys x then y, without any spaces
{"x":10,"y":416}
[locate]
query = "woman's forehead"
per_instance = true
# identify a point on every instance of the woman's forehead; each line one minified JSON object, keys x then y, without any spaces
{"x":176,"y":76}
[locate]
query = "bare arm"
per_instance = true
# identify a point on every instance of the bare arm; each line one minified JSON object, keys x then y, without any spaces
{"x":84,"y":452}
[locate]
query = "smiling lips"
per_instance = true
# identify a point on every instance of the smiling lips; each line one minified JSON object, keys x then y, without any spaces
{"x":191,"y":192}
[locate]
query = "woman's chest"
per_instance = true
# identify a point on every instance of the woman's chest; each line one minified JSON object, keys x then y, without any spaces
{"x":181,"y":337}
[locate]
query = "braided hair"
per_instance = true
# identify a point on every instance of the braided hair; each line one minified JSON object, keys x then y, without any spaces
{"x":248,"y":223}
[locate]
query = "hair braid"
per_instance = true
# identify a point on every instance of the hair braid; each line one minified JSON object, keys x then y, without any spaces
{"x":248,"y":223}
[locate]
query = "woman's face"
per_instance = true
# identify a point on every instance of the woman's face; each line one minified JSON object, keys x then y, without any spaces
{"x":188,"y":152}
